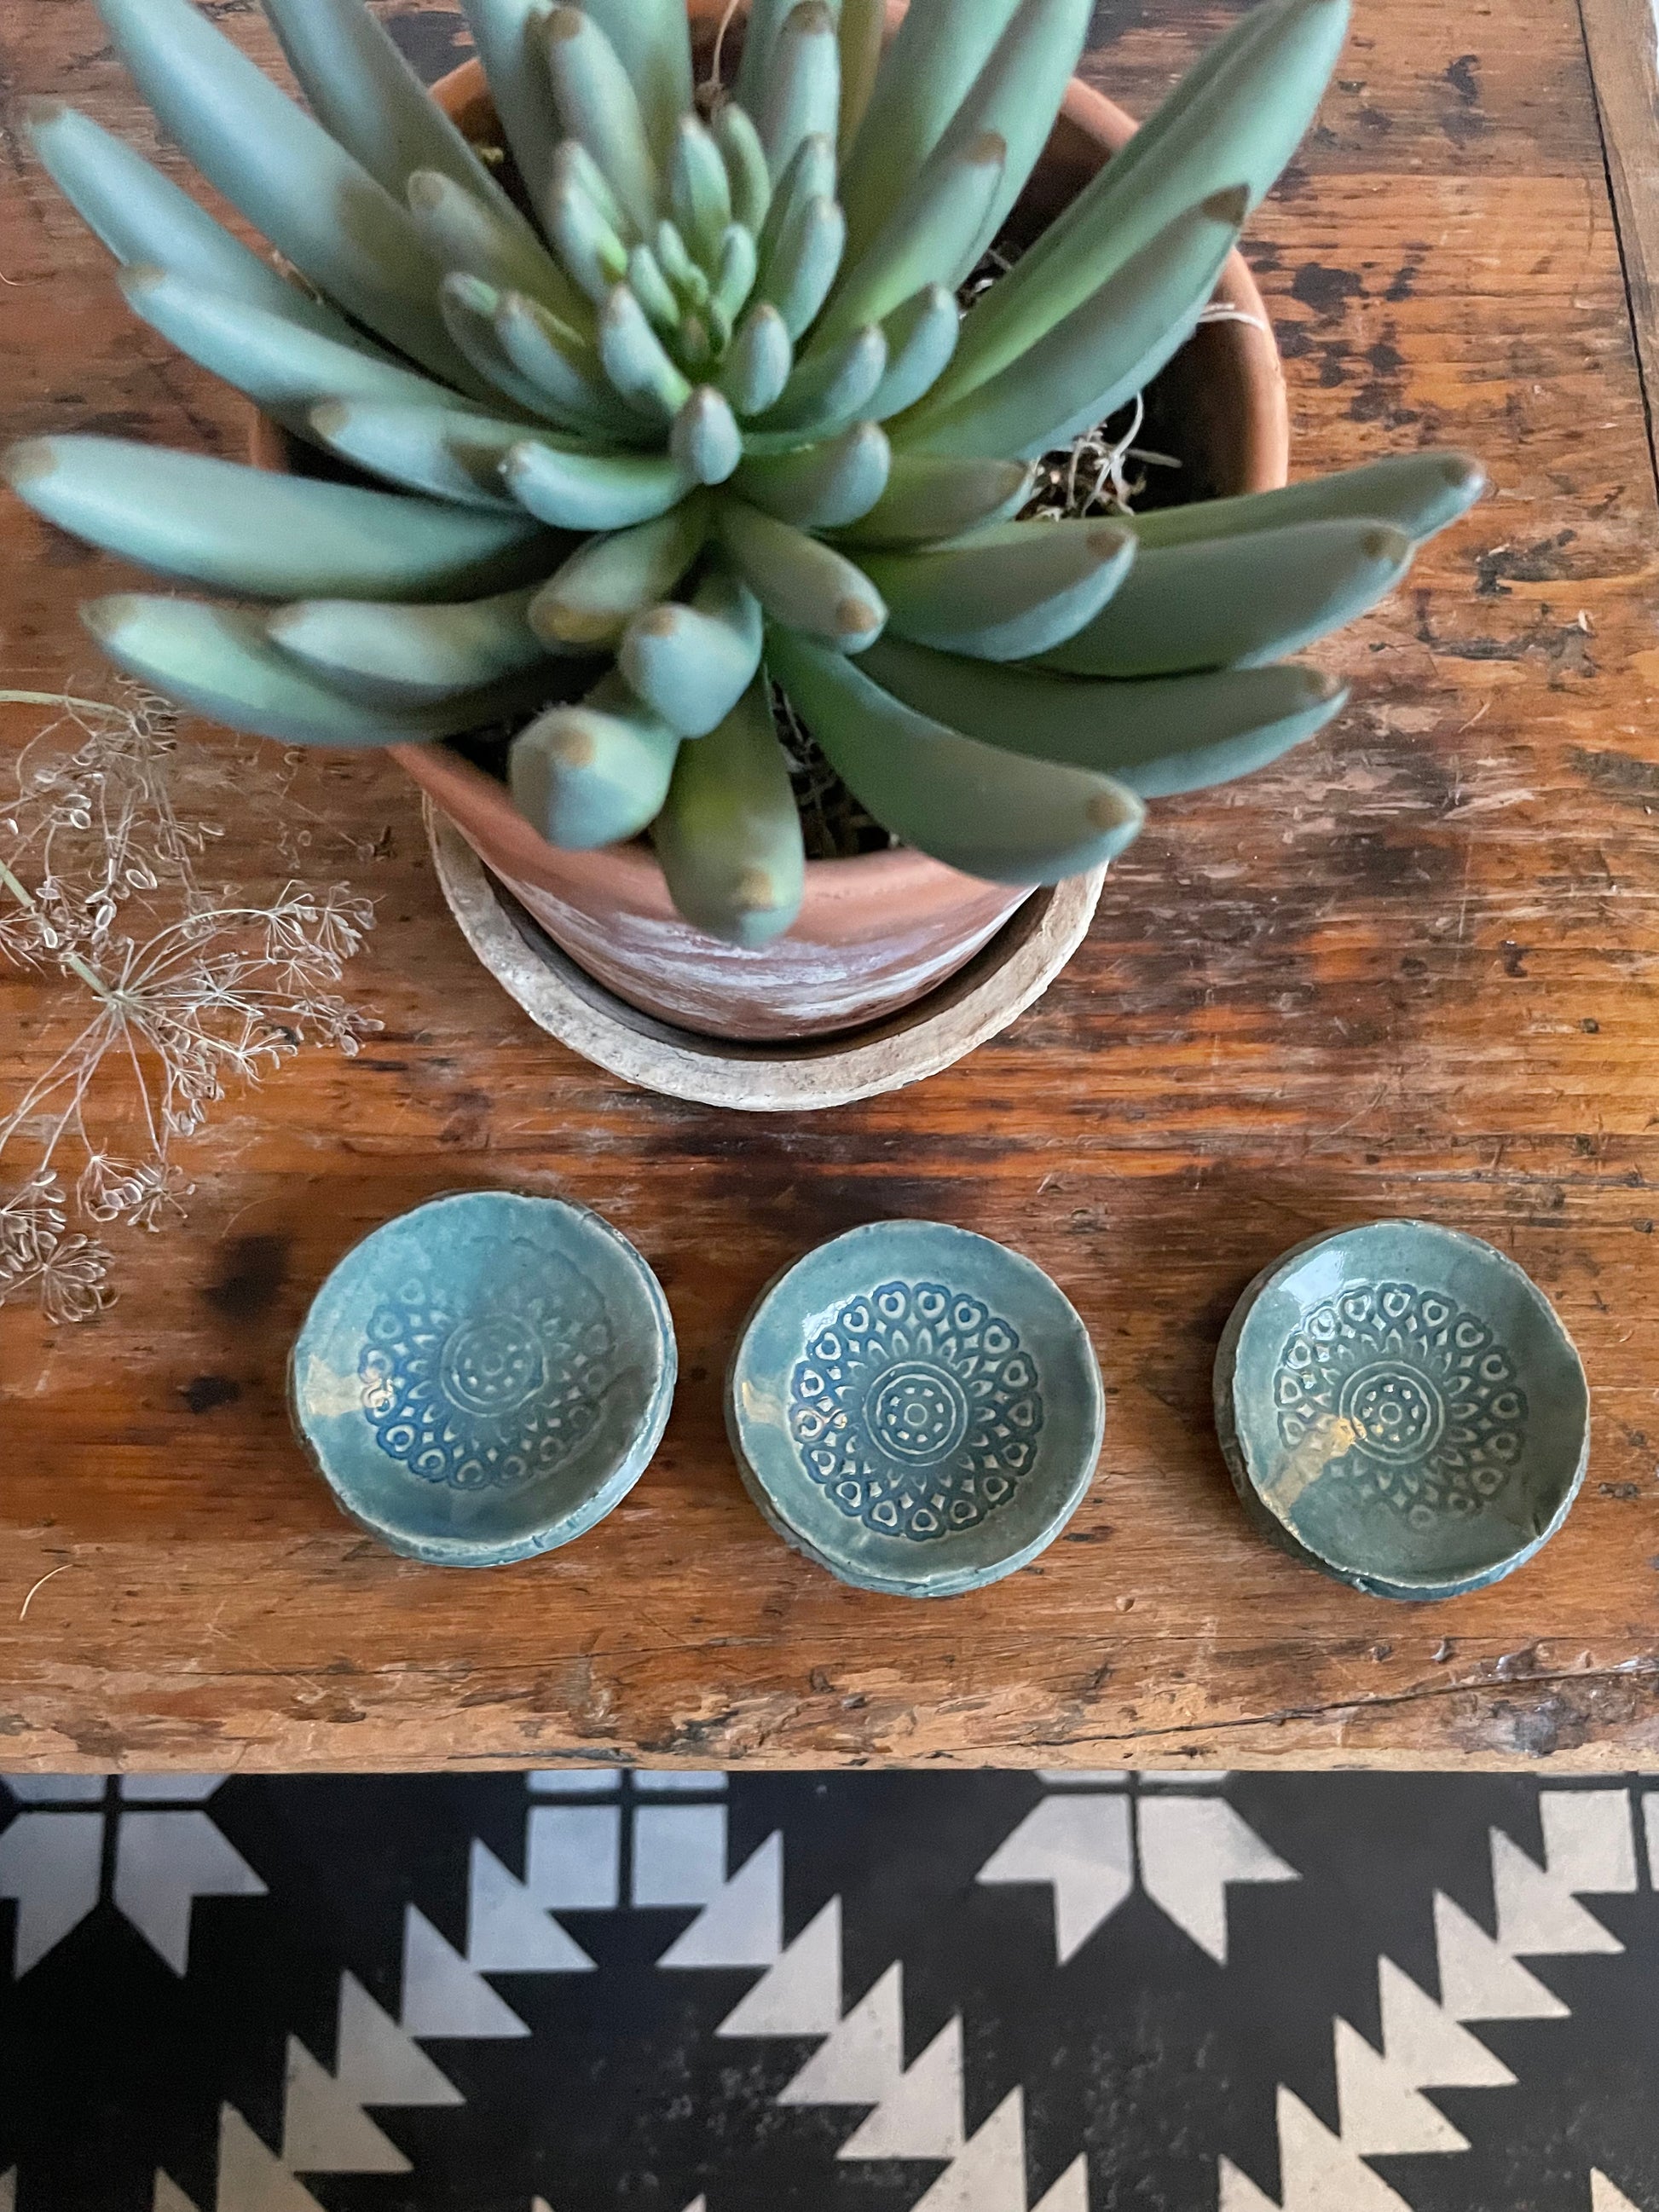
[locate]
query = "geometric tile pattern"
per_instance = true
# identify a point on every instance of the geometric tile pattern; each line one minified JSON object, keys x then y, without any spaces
{"x":570,"y":1990}
{"x":80,"y":1841}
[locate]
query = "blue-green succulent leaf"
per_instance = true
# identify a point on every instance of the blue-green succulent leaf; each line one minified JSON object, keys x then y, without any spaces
{"x":591,"y":247}
{"x":562,"y":369}
{"x":729,"y":834}
{"x":594,"y":596}
{"x":699,"y":189}
{"x":575,"y":167}
{"x":737,"y":266}
{"x":1172,"y":734}
{"x":691,"y":663}
{"x":398,"y":656}
{"x":447,"y":452}
{"x":801,"y":250}
{"x":810,"y":176}
{"x":800,"y":581}
{"x":1007,"y":592}
{"x":1418,"y":493}
{"x":366,"y":95}
{"x":264,"y":535}
{"x":218,"y":662}
{"x":802,"y":96}
{"x":829,"y":389}
{"x":697,"y":344}
{"x":1237,"y":602}
{"x":598,"y":105}
{"x":755,"y":372}
{"x":595,"y":774}
{"x":927,"y":72}
{"x":763,"y":19}
{"x":146,"y":220}
{"x":653,"y":290}
{"x":936,"y":227}
{"x":921,"y":337}
{"x":678,"y":263}
{"x":283,"y":368}
{"x":824,"y":487}
{"x":745,"y":157}
{"x":652,"y":42}
{"x":465,"y":233}
{"x":863,"y":31}
{"x":508,"y":37}
{"x":311,"y":199}
{"x":593,"y":491}
{"x":705,"y":439}
{"x":1102,"y":355}
{"x":927,"y":501}
{"x":1235,"y":120}
{"x":470,"y":308}
{"x":637,"y":362}
{"x":969,"y":804}
{"x":1015,"y":97}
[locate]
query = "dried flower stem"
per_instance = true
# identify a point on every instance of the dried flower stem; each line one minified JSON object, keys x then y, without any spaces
{"x":189,"y":992}
{"x":712,"y":89}
{"x":63,"y":699}
{"x":72,"y":961}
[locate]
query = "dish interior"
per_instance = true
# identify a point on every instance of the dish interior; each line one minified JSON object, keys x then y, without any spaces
{"x":917,"y":1401}
{"x":478,"y":1371}
{"x":1409,"y":1404}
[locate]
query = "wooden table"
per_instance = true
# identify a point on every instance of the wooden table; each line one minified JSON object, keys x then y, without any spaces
{"x":1410,"y":970}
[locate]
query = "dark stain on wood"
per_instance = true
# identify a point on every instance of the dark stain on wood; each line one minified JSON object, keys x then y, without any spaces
{"x":1406,"y":275}
{"x":203,"y":1393}
{"x":1325,"y":291}
{"x":251,"y":1273}
{"x":1464,"y":122}
{"x":1543,"y":563}
{"x":1619,"y":774}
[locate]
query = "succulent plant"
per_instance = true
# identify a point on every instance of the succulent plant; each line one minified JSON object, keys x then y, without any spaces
{"x":683,"y":405}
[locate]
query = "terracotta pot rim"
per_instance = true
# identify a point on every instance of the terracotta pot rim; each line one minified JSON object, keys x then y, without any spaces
{"x":890,"y":871}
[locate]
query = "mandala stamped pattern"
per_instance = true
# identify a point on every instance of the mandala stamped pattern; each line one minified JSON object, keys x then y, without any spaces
{"x":918,"y":1410}
{"x":489,"y":1394}
{"x":1422,"y":1387}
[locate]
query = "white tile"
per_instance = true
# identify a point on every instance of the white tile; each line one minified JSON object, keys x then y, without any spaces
{"x":573,"y":1856}
{"x":679,"y":1854}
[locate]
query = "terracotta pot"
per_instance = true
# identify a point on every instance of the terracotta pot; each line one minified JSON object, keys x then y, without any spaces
{"x":877,"y":933}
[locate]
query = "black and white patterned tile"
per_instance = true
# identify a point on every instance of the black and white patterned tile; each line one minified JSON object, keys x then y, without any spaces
{"x":828,"y":1993}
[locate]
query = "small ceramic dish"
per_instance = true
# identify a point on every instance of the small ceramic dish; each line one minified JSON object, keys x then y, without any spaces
{"x":484,"y":1378}
{"x":915,"y":1408}
{"x":1400,"y":1406}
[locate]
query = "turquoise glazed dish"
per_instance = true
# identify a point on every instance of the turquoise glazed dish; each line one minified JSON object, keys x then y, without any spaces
{"x":915,"y":1408}
{"x":1401,"y":1406}
{"x":485,"y":1378}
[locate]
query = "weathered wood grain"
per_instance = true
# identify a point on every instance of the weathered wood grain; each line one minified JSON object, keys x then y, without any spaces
{"x":1621,"y":38}
{"x":1411,"y":970}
